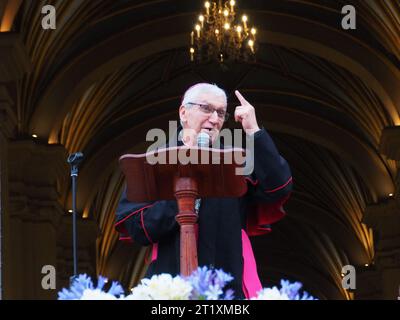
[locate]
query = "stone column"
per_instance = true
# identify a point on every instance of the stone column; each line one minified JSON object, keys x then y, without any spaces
{"x":37,"y":174}
{"x":7,"y":126}
{"x":382,"y":279}
{"x":14,"y":63}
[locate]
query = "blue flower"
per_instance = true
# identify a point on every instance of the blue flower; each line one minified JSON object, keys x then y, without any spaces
{"x":213,"y":292}
{"x":84,"y":282}
{"x":208,"y":284}
{"x":229,"y":294}
{"x":292,"y":290}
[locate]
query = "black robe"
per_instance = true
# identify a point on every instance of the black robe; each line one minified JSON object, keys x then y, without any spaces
{"x":221,"y":220}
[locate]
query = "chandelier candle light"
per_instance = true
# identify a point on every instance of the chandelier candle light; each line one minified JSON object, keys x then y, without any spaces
{"x":217,"y":36}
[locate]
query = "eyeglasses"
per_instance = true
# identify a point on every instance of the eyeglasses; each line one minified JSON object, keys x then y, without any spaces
{"x":208,"y":109}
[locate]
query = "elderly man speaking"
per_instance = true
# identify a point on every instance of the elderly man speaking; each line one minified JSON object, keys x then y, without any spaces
{"x":224,"y":224}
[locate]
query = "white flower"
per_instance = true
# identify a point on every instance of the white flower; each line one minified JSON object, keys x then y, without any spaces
{"x":161,"y":287}
{"x":270,"y":294}
{"x":139,"y":293}
{"x":96,"y":294}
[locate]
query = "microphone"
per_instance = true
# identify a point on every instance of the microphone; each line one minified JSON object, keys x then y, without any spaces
{"x":203,"y":140}
{"x":75,"y":158}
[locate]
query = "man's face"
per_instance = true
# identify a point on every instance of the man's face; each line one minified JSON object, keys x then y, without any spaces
{"x":197,"y":119}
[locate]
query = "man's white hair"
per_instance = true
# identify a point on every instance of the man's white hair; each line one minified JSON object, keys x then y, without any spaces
{"x":191,"y":94}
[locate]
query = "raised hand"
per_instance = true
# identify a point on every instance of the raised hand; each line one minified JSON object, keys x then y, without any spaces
{"x":246,"y":115}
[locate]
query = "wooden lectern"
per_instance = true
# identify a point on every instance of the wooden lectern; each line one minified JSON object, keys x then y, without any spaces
{"x":185,"y":174}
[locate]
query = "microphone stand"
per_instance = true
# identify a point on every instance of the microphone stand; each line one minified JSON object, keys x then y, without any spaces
{"x":74,"y":160}
{"x":203,"y":141}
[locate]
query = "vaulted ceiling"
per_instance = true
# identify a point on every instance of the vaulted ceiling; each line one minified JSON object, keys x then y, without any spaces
{"x":114,"y":69}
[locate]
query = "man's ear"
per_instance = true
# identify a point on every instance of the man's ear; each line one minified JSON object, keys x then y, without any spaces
{"x":182,"y":114}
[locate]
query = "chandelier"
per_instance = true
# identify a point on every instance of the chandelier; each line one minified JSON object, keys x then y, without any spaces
{"x":218,"y":36}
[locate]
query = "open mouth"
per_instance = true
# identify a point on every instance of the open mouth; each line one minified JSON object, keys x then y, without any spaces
{"x":208,"y":130}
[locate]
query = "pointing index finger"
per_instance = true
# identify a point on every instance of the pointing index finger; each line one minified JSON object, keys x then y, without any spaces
{"x":240,"y":97}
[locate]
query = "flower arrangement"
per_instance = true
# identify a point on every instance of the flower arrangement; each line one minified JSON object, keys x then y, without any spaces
{"x":202,"y":284}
